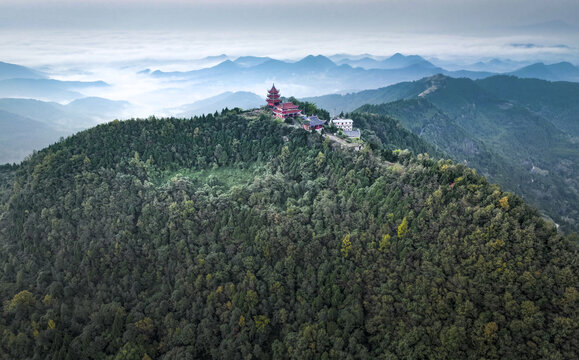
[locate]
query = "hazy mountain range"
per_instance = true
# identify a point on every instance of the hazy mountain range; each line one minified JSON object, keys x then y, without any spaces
{"x":217,"y":82}
{"x":312,"y":74}
{"x":22,"y":82}
{"x":319,"y":73}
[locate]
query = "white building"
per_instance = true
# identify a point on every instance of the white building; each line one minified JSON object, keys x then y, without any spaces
{"x":344,"y":124}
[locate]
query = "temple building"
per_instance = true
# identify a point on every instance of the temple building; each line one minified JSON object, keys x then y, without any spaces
{"x":273,"y":97}
{"x":281,"y":109}
{"x":285,"y":110}
{"x":314,"y":123}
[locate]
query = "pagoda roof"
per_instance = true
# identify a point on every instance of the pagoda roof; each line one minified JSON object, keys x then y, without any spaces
{"x":273,"y":89}
{"x":287,"y":105}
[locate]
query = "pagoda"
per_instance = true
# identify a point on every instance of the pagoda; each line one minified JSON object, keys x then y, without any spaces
{"x":273,"y":97}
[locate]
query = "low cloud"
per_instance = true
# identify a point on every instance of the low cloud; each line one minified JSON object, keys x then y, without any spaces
{"x":536,"y":46}
{"x":117,"y":57}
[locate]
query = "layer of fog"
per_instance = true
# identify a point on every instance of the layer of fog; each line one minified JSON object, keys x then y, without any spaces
{"x":118,"y":57}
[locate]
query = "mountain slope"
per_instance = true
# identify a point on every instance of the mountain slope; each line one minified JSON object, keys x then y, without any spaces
{"x":345,"y":103}
{"x":493,"y":119}
{"x":555,"y":101}
{"x":45,"y":89}
{"x":430,"y":123}
{"x":19,"y":136}
{"x":32,"y":124}
{"x":99,"y":108}
{"x":13,"y":71}
{"x":52,"y":114}
{"x":127,"y":241}
{"x":525,"y":152}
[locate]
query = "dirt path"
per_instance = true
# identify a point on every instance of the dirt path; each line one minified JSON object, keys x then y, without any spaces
{"x":344,"y":143}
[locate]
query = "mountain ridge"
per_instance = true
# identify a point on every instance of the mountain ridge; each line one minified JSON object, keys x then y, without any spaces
{"x":562,"y":71}
{"x":344,"y":74}
{"x":46,"y":89}
{"x":14,"y":71}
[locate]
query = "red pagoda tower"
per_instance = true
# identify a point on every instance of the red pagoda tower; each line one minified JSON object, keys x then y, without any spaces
{"x":273,"y":97}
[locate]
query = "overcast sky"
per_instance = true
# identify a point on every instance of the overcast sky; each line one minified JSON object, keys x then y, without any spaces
{"x":282,"y":15}
{"x":45,"y":31}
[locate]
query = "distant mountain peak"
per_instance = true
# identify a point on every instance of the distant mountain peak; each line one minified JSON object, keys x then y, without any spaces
{"x":226,"y":63}
{"x":399,"y":56}
{"x":564,"y":64}
{"x":399,"y":61}
{"x":316,"y":61}
{"x":554,"y":72}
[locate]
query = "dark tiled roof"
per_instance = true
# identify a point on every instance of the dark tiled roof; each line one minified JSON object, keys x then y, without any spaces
{"x":315,"y":121}
{"x":353,"y":133}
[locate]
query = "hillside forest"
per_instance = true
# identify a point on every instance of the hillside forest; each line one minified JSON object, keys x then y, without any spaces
{"x":233,"y":236}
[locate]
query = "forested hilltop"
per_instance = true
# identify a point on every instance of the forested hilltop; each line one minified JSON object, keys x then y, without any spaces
{"x":229,"y":236}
